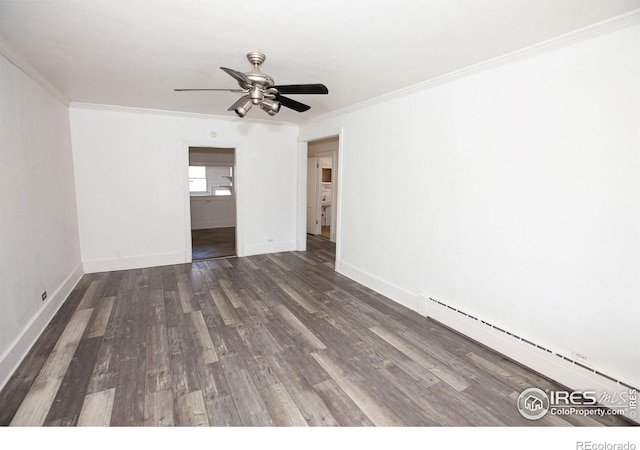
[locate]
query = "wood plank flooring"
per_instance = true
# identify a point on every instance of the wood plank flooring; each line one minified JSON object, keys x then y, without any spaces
{"x":213,"y":243}
{"x":269,"y":340}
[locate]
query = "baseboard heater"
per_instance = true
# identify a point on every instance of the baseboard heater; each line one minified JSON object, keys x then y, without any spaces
{"x":560,"y":368}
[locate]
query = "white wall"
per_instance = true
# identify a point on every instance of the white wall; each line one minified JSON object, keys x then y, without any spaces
{"x":131,"y":179}
{"x":515,"y":197}
{"x":208,"y":211}
{"x":39,"y":247}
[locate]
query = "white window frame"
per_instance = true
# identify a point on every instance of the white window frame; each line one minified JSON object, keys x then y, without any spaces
{"x":192,"y":178}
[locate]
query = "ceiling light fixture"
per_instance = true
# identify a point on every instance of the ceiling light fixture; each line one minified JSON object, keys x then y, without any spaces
{"x":242,"y":109}
{"x":270,"y":106}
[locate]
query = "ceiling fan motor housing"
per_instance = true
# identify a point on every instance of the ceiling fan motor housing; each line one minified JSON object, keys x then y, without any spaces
{"x":256,"y":75}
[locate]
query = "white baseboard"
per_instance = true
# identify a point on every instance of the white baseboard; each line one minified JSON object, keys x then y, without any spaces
{"x":216,"y":224}
{"x":133,"y":262}
{"x":385,"y":288}
{"x":19,"y":348}
{"x":270,"y":247}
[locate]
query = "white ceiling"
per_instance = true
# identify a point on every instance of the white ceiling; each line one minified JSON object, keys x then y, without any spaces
{"x":134,"y":52}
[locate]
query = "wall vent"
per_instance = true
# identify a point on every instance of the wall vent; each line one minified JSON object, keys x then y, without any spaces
{"x":540,"y":347}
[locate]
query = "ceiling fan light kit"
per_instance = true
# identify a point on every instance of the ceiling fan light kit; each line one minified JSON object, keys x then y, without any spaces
{"x":260,"y":89}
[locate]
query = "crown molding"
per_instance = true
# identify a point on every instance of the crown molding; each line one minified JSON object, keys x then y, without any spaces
{"x":564,"y":40}
{"x":165,"y":112}
{"x":8,"y":52}
{"x":582,"y":34}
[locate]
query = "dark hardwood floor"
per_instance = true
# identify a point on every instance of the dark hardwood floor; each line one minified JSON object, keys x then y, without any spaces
{"x":269,"y":340}
{"x":213,"y":243}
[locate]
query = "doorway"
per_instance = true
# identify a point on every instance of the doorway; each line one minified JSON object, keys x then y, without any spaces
{"x":322,"y":187}
{"x":213,"y":202}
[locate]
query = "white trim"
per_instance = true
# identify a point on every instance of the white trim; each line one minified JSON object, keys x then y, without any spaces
{"x":303,"y":155}
{"x":337,"y":196}
{"x":212,"y":224}
{"x":32,"y":73}
{"x":19,"y":348}
{"x":333,"y":154}
{"x":185,"y":145}
{"x":301,"y":204}
{"x":271,"y":247}
{"x":395,"y":293}
{"x":186,"y":207}
{"x":582,"y":34}
{"x":184,"y":114}
{"x":134,"y":262}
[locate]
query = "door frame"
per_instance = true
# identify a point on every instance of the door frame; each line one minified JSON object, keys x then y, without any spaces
{"x":316,"y":199}
{"x":303,"y":154}
{"x":334,"y":191}
{"x":235,"y":146}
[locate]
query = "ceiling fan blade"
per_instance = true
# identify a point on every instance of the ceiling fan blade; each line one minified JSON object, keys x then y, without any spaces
{"x":227,"y":90}
{"x":240,"y":101}
{"x":289,"y":103}
{"x":302,"y":89}
{"x":239,"y":76}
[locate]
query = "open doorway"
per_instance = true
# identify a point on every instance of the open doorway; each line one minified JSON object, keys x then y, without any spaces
{"x":213,"y":202}
{"x":322,"y":187}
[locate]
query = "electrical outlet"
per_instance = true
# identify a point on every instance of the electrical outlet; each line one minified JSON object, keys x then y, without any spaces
{"x":44,"y":295}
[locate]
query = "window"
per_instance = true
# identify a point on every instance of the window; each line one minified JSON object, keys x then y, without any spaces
{"x":211,"y":180}
{"x":220,"y":191}
{"x":197,"y":179}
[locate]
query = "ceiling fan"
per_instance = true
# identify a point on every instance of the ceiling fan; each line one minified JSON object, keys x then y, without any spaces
{"x":260,"y":89}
